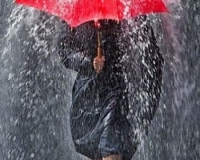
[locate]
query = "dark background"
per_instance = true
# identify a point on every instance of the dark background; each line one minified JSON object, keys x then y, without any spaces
{"x":35,"y":89}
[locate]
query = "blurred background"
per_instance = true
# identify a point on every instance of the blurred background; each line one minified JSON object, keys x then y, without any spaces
{"x":35,"y":88}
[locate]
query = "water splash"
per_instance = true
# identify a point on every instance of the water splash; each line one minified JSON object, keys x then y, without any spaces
{"x":27,"y":108}
{"x":176,"y":2}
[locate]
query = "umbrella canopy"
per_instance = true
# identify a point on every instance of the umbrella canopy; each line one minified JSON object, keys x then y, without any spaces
{"x":76,"y":12}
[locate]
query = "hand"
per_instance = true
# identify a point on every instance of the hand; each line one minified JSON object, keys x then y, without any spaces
{"x":98,"y":64}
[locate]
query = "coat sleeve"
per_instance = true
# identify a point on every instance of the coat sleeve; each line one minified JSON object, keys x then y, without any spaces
{"x":151,"y":69}
{"x":71,"y":56}
{"x":146,"y":88}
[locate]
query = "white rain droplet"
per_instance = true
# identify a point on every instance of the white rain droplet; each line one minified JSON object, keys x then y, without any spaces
{"x":32,"y":155}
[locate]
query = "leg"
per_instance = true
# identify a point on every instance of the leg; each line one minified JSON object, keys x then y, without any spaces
{"x":113,"y":157}
{"x":110,"y":142}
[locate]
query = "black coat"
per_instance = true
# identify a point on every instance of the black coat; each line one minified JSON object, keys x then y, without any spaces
{"x":100,"y":102}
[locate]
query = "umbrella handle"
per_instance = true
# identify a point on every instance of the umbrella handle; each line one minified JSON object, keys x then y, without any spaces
{"x":99,"y":54}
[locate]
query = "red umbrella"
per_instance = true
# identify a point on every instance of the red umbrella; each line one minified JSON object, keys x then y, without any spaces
{"x":76,"y":12}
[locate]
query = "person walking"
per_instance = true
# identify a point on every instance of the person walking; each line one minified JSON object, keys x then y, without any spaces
{"x":100,"y":127}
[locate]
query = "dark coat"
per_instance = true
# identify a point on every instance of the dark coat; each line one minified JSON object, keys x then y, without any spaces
{"x":102,"y":122}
